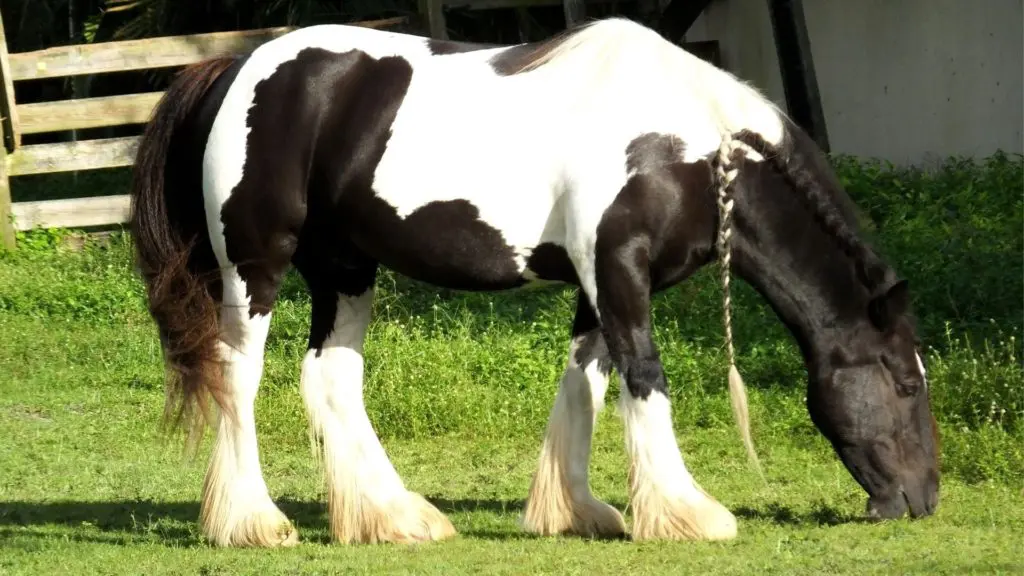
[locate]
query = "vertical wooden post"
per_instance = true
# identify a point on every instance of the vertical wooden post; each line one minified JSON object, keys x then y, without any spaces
{"x":678,"y":16}
{"x":6,"y":224}
{"x":12,"y":137}
{"x":575,"y":12}
{"x":11,"y":140}
{"x":523,"y":23}
{"x":436,"y":24}
{"x":797,"y":68}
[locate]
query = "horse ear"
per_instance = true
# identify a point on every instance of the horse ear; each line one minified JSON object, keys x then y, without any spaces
{"x":886,"y":308}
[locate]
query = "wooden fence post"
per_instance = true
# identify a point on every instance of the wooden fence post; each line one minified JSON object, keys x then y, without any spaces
{"x":6,"y":222}
{"x":11,"y":140}
{"x":796,"y":63}
{"x":436,"y":23}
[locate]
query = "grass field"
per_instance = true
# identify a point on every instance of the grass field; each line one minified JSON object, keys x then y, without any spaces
{"x":459,"y":387}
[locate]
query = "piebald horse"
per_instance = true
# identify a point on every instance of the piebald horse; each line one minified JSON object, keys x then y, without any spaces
{"x":605,"y":158}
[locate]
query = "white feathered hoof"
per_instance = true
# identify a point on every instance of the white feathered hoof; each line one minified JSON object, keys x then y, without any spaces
{"x":547,"y":515}
{"x":698,"y":517}
{"x":267,"y":528}
{"x":408,"y":519}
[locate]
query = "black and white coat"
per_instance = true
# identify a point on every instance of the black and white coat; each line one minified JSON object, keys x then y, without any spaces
{"x":606,"y":158}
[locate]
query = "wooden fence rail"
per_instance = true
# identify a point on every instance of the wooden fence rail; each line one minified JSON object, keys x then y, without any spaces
{"x":62,"y":61}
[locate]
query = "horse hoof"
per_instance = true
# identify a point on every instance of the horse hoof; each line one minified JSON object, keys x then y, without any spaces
{"x":662,"y":518}
{"x":589,"y":519}
{"x":264,"y":529}
{"x":406,"y":520}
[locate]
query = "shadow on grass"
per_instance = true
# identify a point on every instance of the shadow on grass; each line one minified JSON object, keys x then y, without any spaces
{"x":176,"y":523}
{"x":776,"y":513}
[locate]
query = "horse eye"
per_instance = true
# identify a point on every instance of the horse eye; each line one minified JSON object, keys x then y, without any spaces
{"x":907,"y":387}
{"x":906,"y":384}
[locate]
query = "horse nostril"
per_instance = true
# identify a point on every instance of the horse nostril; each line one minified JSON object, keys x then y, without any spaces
{"x":933,"y":502}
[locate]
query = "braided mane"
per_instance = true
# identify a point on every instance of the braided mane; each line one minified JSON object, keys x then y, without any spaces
{"x":835,"y":215}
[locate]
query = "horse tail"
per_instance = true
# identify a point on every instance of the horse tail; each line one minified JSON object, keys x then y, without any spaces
{"x":726,"y":173}
{"x":174,"y":255}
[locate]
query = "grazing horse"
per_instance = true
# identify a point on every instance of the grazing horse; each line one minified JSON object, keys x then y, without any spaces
{"x":605,"y":158}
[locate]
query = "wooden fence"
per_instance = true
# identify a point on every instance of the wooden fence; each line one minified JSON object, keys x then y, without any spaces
{"x":63,"y":61}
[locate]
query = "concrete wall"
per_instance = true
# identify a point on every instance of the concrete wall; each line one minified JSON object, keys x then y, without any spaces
{"x":904,"y":80}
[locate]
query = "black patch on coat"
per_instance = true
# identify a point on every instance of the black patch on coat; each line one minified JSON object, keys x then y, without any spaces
{"x":587,"y":330}
{"x":266,"y":211}
{"x":444,"y":243}
{"x":443,"y":47}
{"x":659,"y":230}
{"x":551,"y":262}
{"x":516,"y":58}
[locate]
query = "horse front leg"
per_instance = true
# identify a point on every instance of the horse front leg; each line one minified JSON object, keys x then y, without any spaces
{"x":666,"y":502}
{"x":560,"y":500}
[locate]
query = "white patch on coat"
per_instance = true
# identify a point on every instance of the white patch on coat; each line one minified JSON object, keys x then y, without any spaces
{"x":666,"y":501}
{"x":920,"y":366}
{"x":651,"y":444}
{"x":580,"y":400}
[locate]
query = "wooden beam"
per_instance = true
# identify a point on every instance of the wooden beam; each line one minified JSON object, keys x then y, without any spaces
{"x":8,"y":112}
{"x":143,"y":54}
{"x":707,"y":50}
{"x":71,"y":156}
{"x":437,"y":25}
{"x":678,"y":16}
{"x":149,"y":53}
{"x":796,"y":65}
{"x":72,"y":213}
{"x":575,"y":12}
{"x":87,"y":113}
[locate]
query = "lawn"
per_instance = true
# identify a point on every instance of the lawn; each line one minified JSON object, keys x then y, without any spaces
{"x":459,"y":386}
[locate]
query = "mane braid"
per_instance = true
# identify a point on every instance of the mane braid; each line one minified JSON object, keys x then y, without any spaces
{"x":871,"y":271}
{"x":727,"y":173}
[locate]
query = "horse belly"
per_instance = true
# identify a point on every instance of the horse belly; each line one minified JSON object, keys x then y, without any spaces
{"x":444,"y":243}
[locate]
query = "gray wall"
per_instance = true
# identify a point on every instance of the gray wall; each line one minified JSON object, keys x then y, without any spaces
{"x":910,"y":81}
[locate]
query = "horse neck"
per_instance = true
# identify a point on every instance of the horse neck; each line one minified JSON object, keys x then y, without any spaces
{"x":795,"y":264}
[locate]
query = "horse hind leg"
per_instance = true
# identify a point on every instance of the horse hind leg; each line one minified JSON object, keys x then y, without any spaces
{"x":236,"y":508}
{"x":367,"y":500}
{"x":254,"y":250}
{"x":560,"y":500}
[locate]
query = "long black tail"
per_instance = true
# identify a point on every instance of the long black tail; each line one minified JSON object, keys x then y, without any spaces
{"x":182,"y":286}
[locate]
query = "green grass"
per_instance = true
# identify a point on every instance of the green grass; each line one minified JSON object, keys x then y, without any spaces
{"x":459,"y":387}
